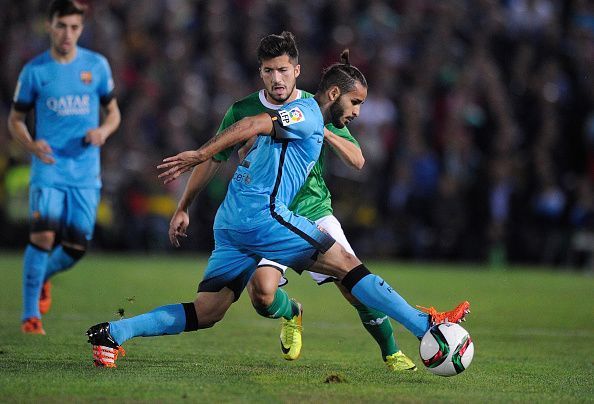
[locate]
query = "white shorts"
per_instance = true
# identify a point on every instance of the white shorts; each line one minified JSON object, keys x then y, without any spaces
{"x":332,"y":226}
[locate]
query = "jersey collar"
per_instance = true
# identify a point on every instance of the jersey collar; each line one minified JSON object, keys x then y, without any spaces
{"x":269,"y":105}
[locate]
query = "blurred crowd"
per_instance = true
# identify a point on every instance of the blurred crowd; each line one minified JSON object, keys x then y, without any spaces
{"x":478,"y":131}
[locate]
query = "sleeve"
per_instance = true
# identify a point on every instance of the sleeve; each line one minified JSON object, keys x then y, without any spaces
{"x":106,"y":85}
{"x":293,"y":123}
{"x":25,"y":92}
{"x":228,"y":120}
{"x":343,"y":133}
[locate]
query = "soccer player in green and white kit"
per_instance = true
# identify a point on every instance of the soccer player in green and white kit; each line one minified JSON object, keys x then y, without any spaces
{"x":279,"y":69}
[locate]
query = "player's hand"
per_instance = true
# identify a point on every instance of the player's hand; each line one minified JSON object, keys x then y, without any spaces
{"x":96,"y":137}
{"x":43,"y":151}
{"x":178,"y":226}
{"x":179,"y":164}
{"x":244,"y":150}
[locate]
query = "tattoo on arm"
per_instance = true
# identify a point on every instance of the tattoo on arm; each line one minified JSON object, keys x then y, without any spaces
{"x":222,"y":136}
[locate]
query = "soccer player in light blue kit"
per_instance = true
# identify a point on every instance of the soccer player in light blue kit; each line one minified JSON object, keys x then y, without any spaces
{"x":66,"y":86}
{"x":254,"y":220}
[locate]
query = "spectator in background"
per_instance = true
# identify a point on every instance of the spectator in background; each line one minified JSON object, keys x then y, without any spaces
{"x":473,"y":82}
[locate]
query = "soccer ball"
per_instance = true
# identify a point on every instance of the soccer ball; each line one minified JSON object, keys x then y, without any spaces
{"x":446,"y":349}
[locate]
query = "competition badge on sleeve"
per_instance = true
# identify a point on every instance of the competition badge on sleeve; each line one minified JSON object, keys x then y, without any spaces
{"x":292,"y":116}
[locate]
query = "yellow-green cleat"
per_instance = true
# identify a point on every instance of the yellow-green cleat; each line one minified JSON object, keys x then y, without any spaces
{"x":290,"y":336}
{"x":398,"y":362}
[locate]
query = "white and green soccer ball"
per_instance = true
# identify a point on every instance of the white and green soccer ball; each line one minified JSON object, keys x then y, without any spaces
{"x":446,"y":349}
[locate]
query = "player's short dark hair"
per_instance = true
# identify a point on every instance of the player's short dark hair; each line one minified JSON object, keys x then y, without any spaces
{"x":63,"y":7}
{"x":343,"y":74}
{"x":273,"y":46}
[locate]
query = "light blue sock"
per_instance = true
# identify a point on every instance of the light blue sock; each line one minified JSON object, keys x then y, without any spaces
{"x":374,"y":292}
{"x":59,"y":260}
{"x":164,"y":320}
{"x":34,"y":266}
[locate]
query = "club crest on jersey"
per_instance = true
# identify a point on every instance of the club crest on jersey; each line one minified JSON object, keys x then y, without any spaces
{"x":86,"y":77}
{"x":292,"y":116}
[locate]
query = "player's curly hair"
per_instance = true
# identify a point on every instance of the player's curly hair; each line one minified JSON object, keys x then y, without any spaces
{"x":64,"y":7}
{"x":273,"y":46}
{"x":343,"y":74}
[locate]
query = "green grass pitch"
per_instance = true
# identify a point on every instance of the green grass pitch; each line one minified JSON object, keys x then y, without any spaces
{"x":533,"y":332}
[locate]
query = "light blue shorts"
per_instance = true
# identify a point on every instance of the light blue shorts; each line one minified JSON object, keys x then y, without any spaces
{"x":291,"y":240}
{"x":70,"y":212}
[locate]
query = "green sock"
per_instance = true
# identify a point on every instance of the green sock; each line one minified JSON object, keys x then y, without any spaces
{"x":281,"y":306}
{"x":378,"y":325}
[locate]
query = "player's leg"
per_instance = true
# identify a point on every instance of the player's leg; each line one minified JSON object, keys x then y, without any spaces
{"x":107,"y":338}
{"x":215,"y":296}
{"x":378,"y":325}
{"x":375,"y":322}
{"x":374,"y":292}
{"x":204,"y":312}
{"x":226,"y":276}
{"x":80,"y":216}
{"x":273,"y":302}
{"x":80,"y":211}
{"x":46,"y":207}
{"x":63,"y":257}
{"x":267,"y":298}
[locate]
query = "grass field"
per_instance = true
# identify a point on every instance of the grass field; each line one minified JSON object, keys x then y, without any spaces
{"x":533,"y":332}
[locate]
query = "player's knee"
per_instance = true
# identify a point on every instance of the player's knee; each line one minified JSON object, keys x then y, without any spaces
{"x":349,"y":259}
{"x":261,"y":298}
{"x":43,"y":239}
{"x":347,"y":262}
{"x":208,"y":313}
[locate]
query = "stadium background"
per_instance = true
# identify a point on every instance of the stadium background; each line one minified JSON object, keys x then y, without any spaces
{"x":478,"y":131}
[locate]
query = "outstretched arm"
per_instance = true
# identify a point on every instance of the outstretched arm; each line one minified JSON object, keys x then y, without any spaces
{"x":348,"y":152}
{"x":238,"y":132}
{"x":200,"y":177}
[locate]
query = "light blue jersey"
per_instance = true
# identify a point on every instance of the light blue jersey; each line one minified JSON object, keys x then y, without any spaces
{"x":67,"y":99}
{"x":274,"y":170}
{"x":254,"y":220}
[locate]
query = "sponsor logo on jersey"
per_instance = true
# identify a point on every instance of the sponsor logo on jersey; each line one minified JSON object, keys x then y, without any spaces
{"x":86,"y":77}
{"x":245,"y":178}
{"x":290,"y":117}
{"x":70,"y":105}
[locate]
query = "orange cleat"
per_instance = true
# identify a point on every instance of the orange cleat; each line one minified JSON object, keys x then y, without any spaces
{"x":45,"y":299}
{"x":105,"y":348}
{"x":105,"y":357}
{"x":453,"y":316}
{"x":32,"y":325}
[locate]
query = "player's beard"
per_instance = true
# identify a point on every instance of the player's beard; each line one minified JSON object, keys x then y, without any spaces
{"x":284,"y":99}
{"x":336,"y":112}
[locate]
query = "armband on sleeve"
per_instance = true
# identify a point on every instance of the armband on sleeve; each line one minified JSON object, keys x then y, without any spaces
{"x":106,"y":99}
{"x":23,"y":106}
{"x":278,"y":130}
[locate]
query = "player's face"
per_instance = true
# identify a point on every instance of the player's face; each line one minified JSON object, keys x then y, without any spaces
{"x":279,"y":76}
{"x":64,"y":33}
{"x":347,"y":106}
